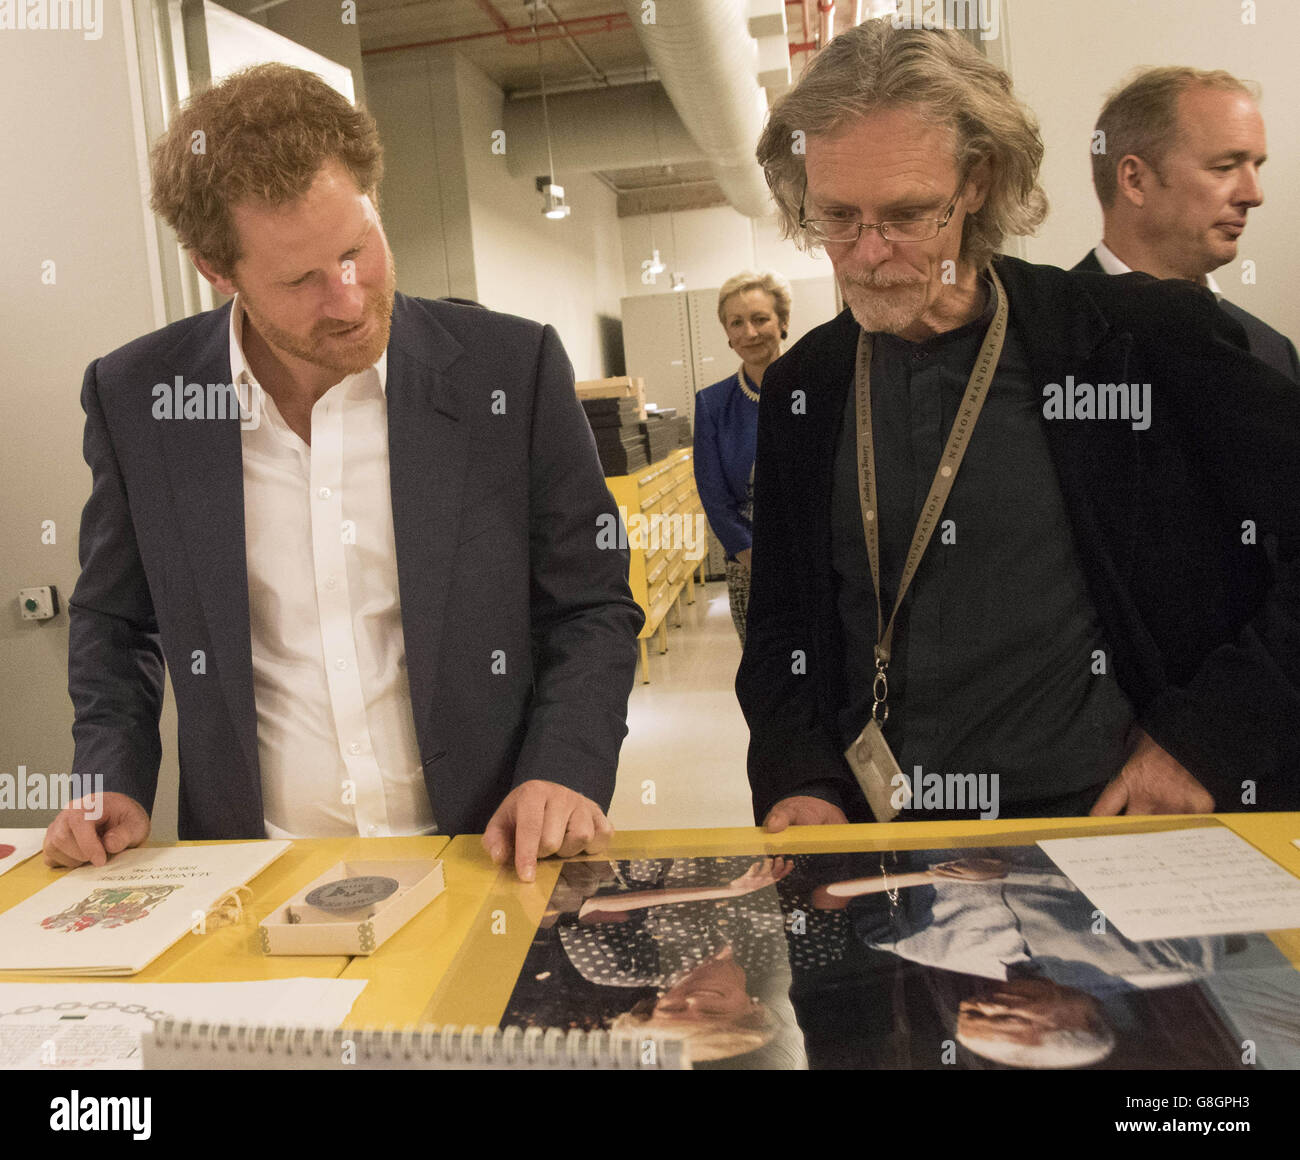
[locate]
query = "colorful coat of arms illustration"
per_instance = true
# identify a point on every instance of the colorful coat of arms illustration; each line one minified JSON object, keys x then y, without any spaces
{"x":110,"y":907}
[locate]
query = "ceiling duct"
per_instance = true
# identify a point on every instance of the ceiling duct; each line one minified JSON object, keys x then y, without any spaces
{"x":707,"y":62}
{"x":623,"y":128}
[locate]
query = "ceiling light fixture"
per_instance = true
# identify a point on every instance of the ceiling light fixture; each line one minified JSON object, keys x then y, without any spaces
{"x":553,"y":204}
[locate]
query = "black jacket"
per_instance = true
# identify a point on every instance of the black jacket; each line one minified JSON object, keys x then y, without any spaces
{"x":1265,"y":343}
{"x":1204,"y":629}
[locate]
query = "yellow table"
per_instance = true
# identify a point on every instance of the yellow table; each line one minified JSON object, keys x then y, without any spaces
{"x":405,"y":973}
{"x":233,"y":953}
{"x":518,"y":907}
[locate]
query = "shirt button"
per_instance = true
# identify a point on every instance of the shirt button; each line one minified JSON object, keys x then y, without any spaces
{"x":324,"y":493}
{"x":372,"y":830}
{"x":331,"y":583}
{"x":340,"y":664}
{"x":355,"y":747}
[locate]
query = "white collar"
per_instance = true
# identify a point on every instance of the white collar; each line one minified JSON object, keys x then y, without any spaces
{"x":1113,"y":265}
{"x":240,"y":370}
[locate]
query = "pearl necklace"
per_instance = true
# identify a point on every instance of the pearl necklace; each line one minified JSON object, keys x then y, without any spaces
{"x":744,"y":385}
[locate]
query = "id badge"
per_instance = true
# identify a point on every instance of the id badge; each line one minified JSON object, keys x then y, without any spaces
{"x":877,"y":772}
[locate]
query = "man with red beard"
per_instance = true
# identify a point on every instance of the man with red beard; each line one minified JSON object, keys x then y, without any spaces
{"x":380,"y":595}
{"x":956,"y":572}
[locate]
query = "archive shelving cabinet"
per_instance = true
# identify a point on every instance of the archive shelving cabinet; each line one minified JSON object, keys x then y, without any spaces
{"x":659,"y":506}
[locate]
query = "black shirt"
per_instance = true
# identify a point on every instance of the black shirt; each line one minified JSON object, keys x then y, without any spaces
{"x":997,"y":646}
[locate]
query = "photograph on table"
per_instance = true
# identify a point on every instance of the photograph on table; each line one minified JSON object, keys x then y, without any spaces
{"x":964,"y":957}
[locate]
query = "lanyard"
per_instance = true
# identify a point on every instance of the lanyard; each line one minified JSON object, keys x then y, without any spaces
{"x":958,"y":438}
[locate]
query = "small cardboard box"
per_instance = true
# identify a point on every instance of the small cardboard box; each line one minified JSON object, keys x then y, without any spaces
{"x":621,"y":387}
{"x":313,"y":931}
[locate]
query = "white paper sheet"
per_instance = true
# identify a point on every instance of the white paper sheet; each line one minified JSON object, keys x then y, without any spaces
{"x":17,"y":846}
{"x":1180,"y":883}
{"x":98,"y":1026}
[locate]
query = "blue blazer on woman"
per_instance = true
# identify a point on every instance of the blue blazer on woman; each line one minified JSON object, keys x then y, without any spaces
{"x":726,"y":436}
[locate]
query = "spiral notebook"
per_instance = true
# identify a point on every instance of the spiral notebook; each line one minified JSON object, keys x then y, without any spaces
{"x":186,"y":1046}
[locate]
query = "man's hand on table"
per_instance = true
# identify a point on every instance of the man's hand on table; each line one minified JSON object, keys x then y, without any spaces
{"x":540,"y":818}
{"x":94,"y":828}
{"x":803,"y":811}
{"x":1152,"y":782}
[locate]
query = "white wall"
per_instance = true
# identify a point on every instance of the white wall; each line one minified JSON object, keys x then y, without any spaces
{"x":565,"y":272}
{"x":1066,"y":58}
{"x":708,"y":246}
{"x":460,"y":225}
{"x":424,"y":199}
{"x":321,"y":27}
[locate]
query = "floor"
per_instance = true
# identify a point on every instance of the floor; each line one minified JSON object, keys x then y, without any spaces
{"x":683,"y":761}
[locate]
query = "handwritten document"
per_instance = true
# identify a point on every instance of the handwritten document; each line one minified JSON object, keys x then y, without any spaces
{"x":1180,"y":883}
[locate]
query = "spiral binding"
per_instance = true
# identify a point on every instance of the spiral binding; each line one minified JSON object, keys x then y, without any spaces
{"x":183,"y":1044}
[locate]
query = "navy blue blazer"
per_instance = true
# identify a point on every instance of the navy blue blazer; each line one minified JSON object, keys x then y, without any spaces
{"x":726,"y":431}
{"x":1203,"y":623}
{"x":495,"y":517}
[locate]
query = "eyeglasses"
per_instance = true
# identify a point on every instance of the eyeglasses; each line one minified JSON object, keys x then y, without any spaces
{"x":820,"y":231}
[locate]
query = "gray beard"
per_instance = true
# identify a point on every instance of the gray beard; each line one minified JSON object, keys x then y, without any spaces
{"x":885,"y":309}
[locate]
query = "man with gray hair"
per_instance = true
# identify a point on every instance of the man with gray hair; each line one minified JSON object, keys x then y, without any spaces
{"x":1176,"y":160}
{"x":1009,"y":517}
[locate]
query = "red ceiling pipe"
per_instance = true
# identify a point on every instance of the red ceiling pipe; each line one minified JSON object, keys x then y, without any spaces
{"x":578,"y":26}
{"x":511,"y":34}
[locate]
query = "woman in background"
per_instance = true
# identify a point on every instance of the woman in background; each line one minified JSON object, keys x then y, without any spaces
{"x":754,"y":309}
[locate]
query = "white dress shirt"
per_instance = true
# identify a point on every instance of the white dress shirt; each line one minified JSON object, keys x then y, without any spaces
{"x":335,"y":733}
{"x":1112,"y":265}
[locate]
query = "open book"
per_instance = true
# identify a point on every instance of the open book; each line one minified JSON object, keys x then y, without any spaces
{"x":116,"y":919}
